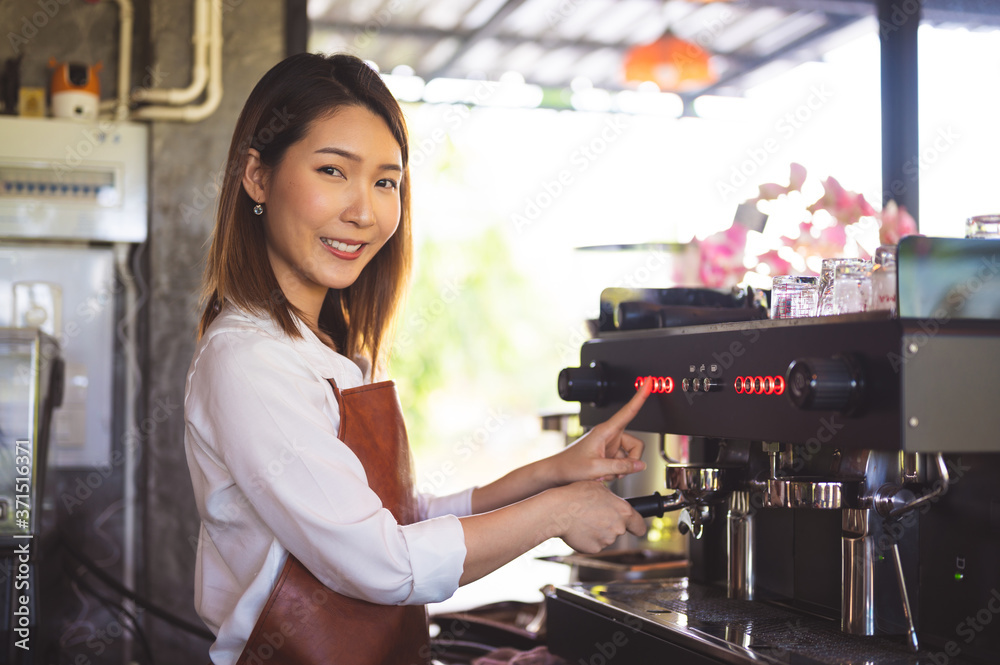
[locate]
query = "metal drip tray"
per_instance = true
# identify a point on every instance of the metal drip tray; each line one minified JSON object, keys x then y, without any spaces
{"x":622,"y":565}
{"x":703,"y":620}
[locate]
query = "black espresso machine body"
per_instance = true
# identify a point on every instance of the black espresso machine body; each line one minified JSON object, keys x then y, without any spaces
{"x":842,"y":491}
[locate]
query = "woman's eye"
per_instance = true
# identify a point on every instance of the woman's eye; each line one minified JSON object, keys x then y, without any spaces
{"x":387,"y":183}
{"x":330,"y":170}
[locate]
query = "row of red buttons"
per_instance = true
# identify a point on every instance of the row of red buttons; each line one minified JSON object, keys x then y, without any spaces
{"x":744,"y":385}
{"x":661,"y":384}
{"x":759,"y":385}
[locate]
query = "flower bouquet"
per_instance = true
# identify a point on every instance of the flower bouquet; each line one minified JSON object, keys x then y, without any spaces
{"x":839,"y":223}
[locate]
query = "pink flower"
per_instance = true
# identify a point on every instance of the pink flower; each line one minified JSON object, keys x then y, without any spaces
{"x":866,"y":209}
{"x":770,"y":191}
{"x":834,"y":235}
{"x":722,"y":257}
{"x":845,"y":206}
{"x":796,"y":178}
{"x":896,"y":223}
{"x":778,"y":265}
{"x":735,"y":236}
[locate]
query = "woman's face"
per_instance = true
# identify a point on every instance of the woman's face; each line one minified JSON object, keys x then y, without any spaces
{"x":332,"y":203}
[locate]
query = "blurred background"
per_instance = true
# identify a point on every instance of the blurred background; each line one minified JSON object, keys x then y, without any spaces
{"x":558,"y":147}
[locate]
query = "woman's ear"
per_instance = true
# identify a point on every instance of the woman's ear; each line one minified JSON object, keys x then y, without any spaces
{"x":253,"y":177}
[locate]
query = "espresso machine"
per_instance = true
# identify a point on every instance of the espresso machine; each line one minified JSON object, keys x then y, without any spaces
{"x":841,"y":492}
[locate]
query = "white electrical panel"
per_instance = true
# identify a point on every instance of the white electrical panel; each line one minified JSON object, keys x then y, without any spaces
{"x":73,"y":180}
{"x":70,"y":191}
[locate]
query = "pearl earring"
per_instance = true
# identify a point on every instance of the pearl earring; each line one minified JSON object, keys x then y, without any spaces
{"x":258,"y":209}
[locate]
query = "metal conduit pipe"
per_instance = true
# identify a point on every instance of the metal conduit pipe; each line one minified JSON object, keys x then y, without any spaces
{"x":213,"y":92}
{"x":201,"y":38}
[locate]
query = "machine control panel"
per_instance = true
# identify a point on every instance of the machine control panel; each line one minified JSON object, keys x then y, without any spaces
{"x":788,"y":380}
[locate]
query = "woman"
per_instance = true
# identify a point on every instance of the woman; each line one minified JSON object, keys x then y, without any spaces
{"x":314,"y":546}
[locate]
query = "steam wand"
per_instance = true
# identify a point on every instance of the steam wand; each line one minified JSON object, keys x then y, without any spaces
{"x":888,"y":506}
{"x":910,"y":630}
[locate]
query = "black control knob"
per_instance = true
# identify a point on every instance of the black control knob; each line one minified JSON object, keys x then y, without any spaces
{"x":825,"y":384}
{"x":584,"y":384}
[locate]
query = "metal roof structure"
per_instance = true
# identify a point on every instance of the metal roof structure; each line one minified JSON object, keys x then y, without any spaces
{"x":552,"y":43}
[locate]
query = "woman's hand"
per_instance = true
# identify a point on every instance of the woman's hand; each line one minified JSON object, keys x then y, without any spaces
{"x":590,"y":517}
{"x":586,"y":515}
{"x":604,"y":452}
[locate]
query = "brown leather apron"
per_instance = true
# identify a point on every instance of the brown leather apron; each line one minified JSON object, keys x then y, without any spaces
{"x":305,"y":623}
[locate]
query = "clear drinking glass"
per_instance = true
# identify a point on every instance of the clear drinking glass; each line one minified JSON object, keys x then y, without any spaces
{"x":824,"y":306}
{"x":884,"y":279}
{"x":852,"y":289}
{"x":793,"y":297}
{"x":983,"y":226}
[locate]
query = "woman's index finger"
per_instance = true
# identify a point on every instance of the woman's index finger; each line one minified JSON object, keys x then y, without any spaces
{"x":631,"y":408}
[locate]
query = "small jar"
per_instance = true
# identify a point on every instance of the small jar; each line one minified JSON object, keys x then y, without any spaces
{"x":884,"y":279}
{"x":852,"y":288}
{"x":793,"y":297}
{"x":824,"y":306}
{"x":983,"y":226}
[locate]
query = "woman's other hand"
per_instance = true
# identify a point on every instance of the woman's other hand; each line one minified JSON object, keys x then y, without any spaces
{"x":606,"y":451}
{"x":586,"y":515}
{"x":589,"y":517}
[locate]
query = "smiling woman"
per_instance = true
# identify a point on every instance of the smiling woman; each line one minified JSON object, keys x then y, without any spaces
{"x":315,"y":546}
{"x":315,"y":106}
{"x":332,"y":203}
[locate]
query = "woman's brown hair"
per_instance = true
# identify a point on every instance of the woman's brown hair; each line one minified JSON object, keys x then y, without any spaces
{"x":293,"y":94}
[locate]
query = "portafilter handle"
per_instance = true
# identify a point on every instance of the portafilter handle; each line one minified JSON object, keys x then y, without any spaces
{"x":654,"y":505}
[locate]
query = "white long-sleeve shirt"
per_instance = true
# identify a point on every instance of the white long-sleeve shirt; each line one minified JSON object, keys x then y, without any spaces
{"x":270,"y":476}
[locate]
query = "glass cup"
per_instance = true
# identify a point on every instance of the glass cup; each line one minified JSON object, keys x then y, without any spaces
{"x":884,"y":279}
{"x":793,"y":297}
{"x":852,"y":289}
{"x":983,"y":226}
{"x":824,"y":306}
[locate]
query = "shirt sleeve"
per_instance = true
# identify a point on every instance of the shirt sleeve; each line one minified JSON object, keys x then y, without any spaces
{"x":458,"y":504}
{"x":267,"y":418}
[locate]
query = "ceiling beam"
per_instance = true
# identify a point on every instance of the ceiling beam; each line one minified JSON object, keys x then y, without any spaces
{"x":429,"y":33}
{"x":746,"y":65}
{"x":487,"y":30}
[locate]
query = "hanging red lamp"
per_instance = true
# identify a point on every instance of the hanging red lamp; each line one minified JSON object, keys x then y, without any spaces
{"x":673,"y":64}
